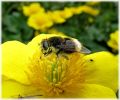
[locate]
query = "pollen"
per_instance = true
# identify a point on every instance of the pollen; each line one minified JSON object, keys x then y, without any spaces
{"x":57,"y":76}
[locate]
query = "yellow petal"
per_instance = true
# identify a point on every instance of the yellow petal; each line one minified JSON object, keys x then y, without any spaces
{"x":14,"y":89}
{"x":56,"y":17}
{"x":32,"y":9}
{"x":113,"y":41}
{"x":91,"y":3}
{"x":15,"y":56}
{"x":103,"y":69}
{"x":96,"y":91}
{"x":66,"y":13}
{"x":89,"y":10}
{"x":39,"y":21}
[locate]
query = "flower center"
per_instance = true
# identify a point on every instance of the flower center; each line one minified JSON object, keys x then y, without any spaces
{"x":57,"y":76}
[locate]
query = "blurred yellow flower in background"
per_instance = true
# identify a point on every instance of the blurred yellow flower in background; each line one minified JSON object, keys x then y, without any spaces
{"x":33,"y":8}
{"x":40,"y":21}
{"x":93,"y":3}
{"x":85,"y":9}
{"x":113,"y":42}
{"x":55,"y":16}
{"x":60,"y":16}
{"x":66,"y":13}
{"x":90,"y":10}
{"x":34,"y":75}
{"x":75,"y":10}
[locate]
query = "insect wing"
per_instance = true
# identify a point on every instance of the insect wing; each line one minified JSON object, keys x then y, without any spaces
{"x":68,"y":46}
{"x":85,"y":50}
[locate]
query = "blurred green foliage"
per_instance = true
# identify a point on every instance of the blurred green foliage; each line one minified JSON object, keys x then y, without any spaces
{"x":92,"y":31}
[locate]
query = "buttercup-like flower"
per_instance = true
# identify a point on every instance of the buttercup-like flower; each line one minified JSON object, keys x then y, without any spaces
{"x":28,"y":73}
{"x":89,"y":10}
{"x":60,"y":16}
{"x":32,"y":9}
{"x":56,"y":17}
{"x":85,"y":9}
{"x":40,"y":21}
{"x":66,"y":13}
{"x":93,"y":3}
{"x":113,"y":42}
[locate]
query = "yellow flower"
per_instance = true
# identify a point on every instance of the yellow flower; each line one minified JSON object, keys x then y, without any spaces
{"x":66,"y":13}
{"x":60,"y":16}
{"x":32,"y":9}
{"x":92,"y":3}
{"x":90,"y":10}
{"x":86,"y":9}
{"x":75,"y":10}
{"x":28,"y":73}
{"x":55,"y":16}
{"x":40,"y":21}
{"x":113,"y":42}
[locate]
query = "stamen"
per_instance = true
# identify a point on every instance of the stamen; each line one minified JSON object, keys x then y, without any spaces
{"x":59,"y":73}
{"x":56,"y":76}
{"x":50,"y":73}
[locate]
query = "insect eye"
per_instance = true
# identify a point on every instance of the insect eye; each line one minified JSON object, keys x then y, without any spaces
{"x":45,"y":44}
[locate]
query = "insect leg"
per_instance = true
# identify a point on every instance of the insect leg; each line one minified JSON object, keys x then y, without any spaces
{"x":59,"y":53}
